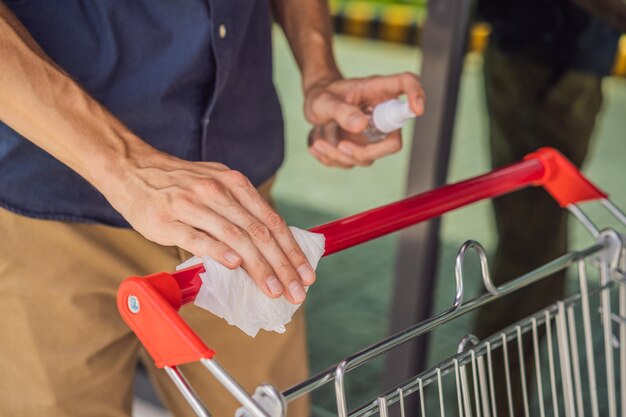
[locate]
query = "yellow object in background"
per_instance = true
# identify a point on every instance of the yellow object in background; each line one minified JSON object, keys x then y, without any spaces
{"x":359,"y":18}
{"x":479,"y":37}
{"x":396,"y":22}
{"x":619,"y":67}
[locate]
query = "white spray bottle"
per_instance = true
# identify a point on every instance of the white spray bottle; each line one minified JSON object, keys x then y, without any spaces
{"x":385,"y":118}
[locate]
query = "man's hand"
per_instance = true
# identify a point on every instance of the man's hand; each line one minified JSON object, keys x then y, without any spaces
{"x":342,"y":101}
{"x":208,"y":209}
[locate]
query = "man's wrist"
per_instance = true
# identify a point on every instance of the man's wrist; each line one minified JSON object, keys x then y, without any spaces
{"x":321,"y":76}
{"x":319,"y":64}
{"x":109,"y":168}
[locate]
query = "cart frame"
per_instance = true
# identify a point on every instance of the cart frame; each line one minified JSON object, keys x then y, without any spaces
{"x":150,"y":304}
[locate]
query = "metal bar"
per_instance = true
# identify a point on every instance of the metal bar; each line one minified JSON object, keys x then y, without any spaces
{"x":537,"y":353}
{"x":188,"y":393}
{"x":618,"y":319}
{"x":234,"y":388}
{"x":459,"y":393}
{"x":613,"y":209}
{"x":401,"y":397}
{"x":507,"y":375}
{"x":422,"y":399}
{"x":475,"y":381}
{"x":484,"y":264}
{"x":484,"y":396}
{"x":469,"y":339}
{"x":382,"y":407}
{"x":553,"y":390}
{"x":492,"y":394}
{"x":385,"y":345}
{"x":605,"y":300}
{"x":440,"y":386}
{"x":564,"y":359}
{"x":586,"y":221}
{"x":465,"y":391}
{"x":571,"y":321}
{"x":522,"y":369}
{"x":340,"y":392}
{"x":622,"y":333}
{"x":591,"y":367}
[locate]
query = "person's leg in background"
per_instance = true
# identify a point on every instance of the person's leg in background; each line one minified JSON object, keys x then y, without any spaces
{"x":531,"y":105}
{"x":65,"y":351}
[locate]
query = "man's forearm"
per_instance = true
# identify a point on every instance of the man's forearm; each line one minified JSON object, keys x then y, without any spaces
{"x":45,"y":105}
{"x":307,"y":25}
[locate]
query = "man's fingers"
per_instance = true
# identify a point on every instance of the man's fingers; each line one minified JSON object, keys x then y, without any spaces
{"x":320,"y":157}
{"x":328,"y":107}
{"x":368,"y":153}
{"x":373,"y":90}
{"x":417,"y":101}
{"x":200,"y":244}
{"x":206,"y":220}
{"x":266,"y":235}
{"x":333,"y":154}
{"x":278,"y":228}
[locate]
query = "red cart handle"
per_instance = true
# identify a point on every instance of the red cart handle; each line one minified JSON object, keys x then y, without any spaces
{"x":149,"y":305}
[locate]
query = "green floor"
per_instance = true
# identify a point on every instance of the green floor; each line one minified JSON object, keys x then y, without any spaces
{"x":348,"y":306}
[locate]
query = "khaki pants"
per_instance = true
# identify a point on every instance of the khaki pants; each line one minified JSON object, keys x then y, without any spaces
{"x":64,"y":350}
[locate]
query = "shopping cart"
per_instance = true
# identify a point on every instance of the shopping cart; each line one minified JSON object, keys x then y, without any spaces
{"x":463,"y":384}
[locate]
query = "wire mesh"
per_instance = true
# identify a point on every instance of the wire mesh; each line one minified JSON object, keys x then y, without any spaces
{"x":562,"y":358}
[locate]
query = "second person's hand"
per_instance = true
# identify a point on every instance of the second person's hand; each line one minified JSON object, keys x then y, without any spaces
{"x":336,"y":107}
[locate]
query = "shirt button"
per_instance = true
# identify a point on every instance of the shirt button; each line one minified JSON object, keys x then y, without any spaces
{"x":222,"y":31}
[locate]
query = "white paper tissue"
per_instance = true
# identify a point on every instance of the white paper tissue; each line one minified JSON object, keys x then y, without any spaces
{"x":233,"y":295}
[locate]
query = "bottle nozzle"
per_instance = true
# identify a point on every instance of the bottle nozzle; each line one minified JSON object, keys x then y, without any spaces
{"x":391,"y":115}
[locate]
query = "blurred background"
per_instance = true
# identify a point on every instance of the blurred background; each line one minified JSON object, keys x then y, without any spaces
{"x":349,"y":306}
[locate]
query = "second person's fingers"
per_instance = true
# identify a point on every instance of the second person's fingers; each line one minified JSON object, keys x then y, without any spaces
{"x":332,"y":153}
{"x":327,"y":107}
{"x":391,"y":144}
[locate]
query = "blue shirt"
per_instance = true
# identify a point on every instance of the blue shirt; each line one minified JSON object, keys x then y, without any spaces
{"x":193,"y":78}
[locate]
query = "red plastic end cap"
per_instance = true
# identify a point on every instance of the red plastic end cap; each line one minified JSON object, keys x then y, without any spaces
{"x":168,"y":287}
{"x":563,"y":180}
{"x":189,"y":282}
{"x":152,"y":317}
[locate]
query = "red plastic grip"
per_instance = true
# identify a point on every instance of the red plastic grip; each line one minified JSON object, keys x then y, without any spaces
{"x":156,"y":322}
{"x":353,"y":230}
{"x":170,"y":341}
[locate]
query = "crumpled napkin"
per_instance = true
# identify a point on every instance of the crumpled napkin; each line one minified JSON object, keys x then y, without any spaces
{"x":232,"y":295}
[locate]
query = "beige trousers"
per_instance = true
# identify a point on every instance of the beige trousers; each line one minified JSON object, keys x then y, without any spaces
{"x":64,"y":350}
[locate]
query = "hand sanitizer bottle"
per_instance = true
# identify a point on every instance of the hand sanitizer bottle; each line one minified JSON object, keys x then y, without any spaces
{"x":387,"y":117}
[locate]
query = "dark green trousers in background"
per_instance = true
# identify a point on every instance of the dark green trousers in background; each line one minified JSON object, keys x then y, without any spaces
{"x":530,"y":105}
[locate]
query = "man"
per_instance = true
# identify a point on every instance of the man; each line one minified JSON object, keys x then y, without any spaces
{"x":543,"y":82}
{"x":168,"y":113}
